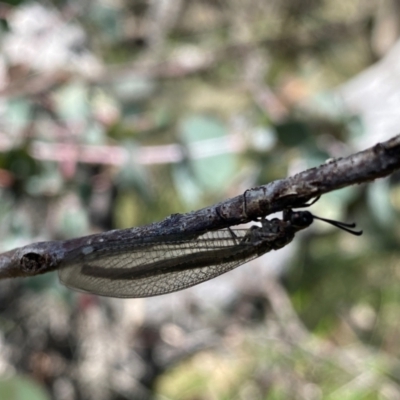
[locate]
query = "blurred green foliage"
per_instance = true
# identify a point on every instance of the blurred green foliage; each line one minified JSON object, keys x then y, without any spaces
{"x":21,"y":388}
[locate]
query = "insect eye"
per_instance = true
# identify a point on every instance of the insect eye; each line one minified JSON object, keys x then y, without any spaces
{"x":302,"y":218}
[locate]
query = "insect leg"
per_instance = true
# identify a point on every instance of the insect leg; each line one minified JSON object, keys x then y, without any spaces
{"x":234,"y":237}
{"x":305,"y":205}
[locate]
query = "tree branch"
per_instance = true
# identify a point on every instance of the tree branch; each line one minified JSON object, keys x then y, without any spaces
{"x":375,"y":162}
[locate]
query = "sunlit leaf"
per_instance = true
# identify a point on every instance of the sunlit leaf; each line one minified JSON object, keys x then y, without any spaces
{"x":21,"y":388}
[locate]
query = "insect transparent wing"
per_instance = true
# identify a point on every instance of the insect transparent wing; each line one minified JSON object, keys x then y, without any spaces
{"x":150,"y":269}
{"x":145,"y":286}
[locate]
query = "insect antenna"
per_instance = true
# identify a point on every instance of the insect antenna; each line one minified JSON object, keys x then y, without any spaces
{"x":341,"y":225}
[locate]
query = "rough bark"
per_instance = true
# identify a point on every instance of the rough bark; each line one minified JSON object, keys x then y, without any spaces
{"x":365,"y":166}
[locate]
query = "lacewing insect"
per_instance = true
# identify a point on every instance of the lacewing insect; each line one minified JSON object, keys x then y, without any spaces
{"x":138,"y":268}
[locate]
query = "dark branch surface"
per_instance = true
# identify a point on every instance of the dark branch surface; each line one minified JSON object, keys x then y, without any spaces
{"x":375,"y":162}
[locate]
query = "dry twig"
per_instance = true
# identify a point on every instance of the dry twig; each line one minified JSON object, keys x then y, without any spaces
{"x":375,"y":162}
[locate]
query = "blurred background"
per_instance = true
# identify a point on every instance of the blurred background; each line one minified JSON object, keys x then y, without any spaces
{"x":118,"y":113}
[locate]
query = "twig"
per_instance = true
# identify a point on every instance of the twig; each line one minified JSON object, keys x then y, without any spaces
{"x":375,"y":162}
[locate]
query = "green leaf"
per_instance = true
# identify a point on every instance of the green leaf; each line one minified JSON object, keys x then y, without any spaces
{"x":204,"y":135}
{"x":293,"y":133}
{"x":72,"y":102}
{"x":18,"y":114}
{"x":21,"y":388}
